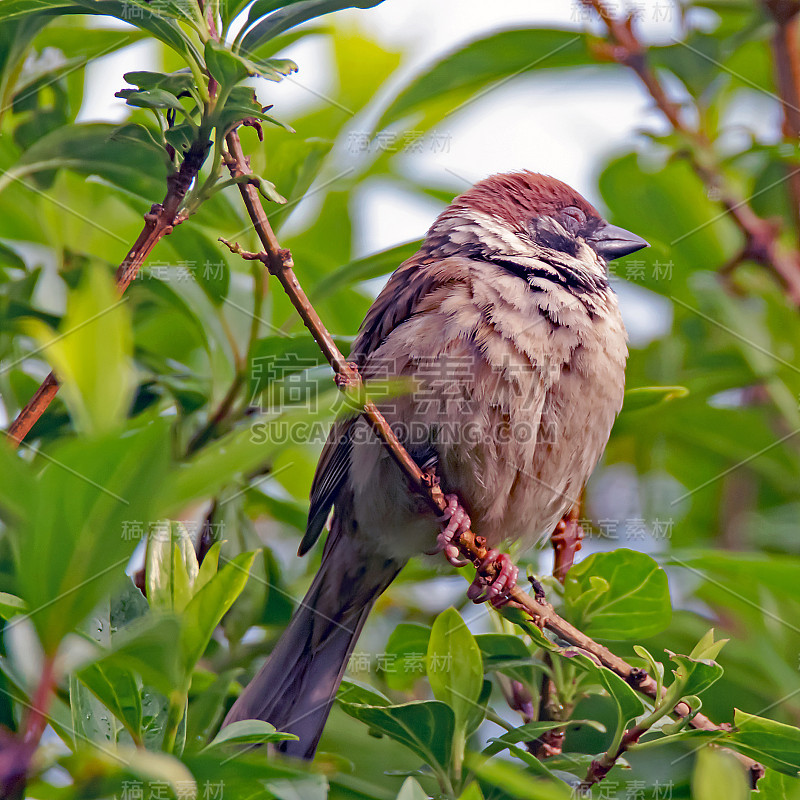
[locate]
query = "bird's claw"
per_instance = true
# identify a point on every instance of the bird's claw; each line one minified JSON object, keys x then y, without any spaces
{"x":497,"y":590}
{"x":455,"y":521}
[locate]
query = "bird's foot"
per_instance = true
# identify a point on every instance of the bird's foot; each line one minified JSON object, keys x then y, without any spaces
{"x":455,"y":521}
{"x":498,"y":589}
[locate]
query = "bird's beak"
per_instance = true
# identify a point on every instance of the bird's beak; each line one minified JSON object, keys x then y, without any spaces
{"x":610,"y":242}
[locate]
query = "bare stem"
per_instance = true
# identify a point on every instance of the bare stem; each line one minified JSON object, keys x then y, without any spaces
{"x":600,"y":767}
{"x":566,"y":541}
{"x":786,"y":59}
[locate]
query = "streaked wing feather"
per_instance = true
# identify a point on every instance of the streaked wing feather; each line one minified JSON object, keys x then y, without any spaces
{"x":331,"y":473}
{"x":408,"y":285}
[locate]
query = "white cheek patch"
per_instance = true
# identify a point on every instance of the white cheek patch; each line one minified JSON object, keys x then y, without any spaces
{"x":501,"y":232}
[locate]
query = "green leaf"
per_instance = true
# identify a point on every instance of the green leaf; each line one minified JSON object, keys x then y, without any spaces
{"x":10,"y":258}
{"x":618,"y":595}
{"x":366,"y":268}
{"x":276,"y":357}
{"x":647,"y":396}
{"x":718,"y":776}
{"x":663,"y":205}
{"x":240,"y":452}
{"x":425,"y":728}
{"x":411,"y":790}
{"x":507,"y":654}
{"x":774,"y":784}
{"x":89,"y":492}
{"x":180,"y":137}
{"x":629,"y":704}
{"x":454,"y":665}
{"x":11,"y":605}
{"x":118,"y":689}
{"x":18,"y":488}
{"x":230,"y":8}
{"x":202,"y":258}
{"x":90,"y":720}
{"x":654,"y":668}
{"x":478,"y":710}
{"x":91,"y":354}
{"x":707,"y":647}
{"x":126,"y":159}
{"x":772,"y":743}
{"x":406,"y":655}
{"x":206,"y":708}
{"x":223,"y":65}
{"x":206,"y":609}
{"x":532,"y":731}
{"x":516,"y":783}
{"x":471,"y":792}
{"x":520,"y":617}
{"x":447,"y":85}
{"x":171,"y":566}
{"x":356,"y":693}
{"x":145,"y":79}
{"x":695,"y":675}
{"x":167,"y":30}
{"x":249,"y":731}
{"x":295,"y":14}
{"x":172,"y":82}
{"x":267,"y":190}
{"x":261,"y":8}
{"x":150,"y":98}
{"x":209,"y":567}
{"x":147,"y":648}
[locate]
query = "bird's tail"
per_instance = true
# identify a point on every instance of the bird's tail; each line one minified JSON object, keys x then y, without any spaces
{"x":295,"y":688}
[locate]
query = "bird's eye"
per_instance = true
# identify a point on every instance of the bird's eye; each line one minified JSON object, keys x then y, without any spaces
{"x":573,"y":219}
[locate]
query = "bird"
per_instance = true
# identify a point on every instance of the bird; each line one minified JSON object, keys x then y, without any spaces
{"x":507,"y":327}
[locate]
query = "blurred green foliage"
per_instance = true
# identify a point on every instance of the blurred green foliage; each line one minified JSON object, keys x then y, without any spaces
{"x":194,"y":408}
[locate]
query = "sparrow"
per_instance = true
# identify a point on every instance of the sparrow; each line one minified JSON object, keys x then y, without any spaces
{"x":506,"y":325}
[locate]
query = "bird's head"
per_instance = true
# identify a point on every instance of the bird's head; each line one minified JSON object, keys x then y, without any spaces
{"x":525,"y":214}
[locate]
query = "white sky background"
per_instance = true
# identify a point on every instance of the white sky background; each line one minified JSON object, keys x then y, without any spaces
{"x":548,"y":122}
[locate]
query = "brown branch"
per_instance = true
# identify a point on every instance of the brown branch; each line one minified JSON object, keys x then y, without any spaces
{"x":158,"y":222}
{"x":566,"y":541}
{"x":786,"y":58}
{"x":279,"y":263}
{"x":16,"y":752}
{"x":600,"y":767}
{"x":761,"y":236}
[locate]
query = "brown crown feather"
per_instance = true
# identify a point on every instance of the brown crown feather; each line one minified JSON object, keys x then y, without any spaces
{"x":516,"y":197}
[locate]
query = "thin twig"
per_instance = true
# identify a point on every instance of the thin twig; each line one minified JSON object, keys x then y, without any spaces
{"x":600,"y":767}
{"x":762,"y":243}
{"x":279,"y":263}
{"x":786,"y":58}
{"x":158,"y":222}
{"x":566,"y":540}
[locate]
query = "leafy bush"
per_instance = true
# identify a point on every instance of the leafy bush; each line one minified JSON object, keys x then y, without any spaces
{"x":183,"y":440}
